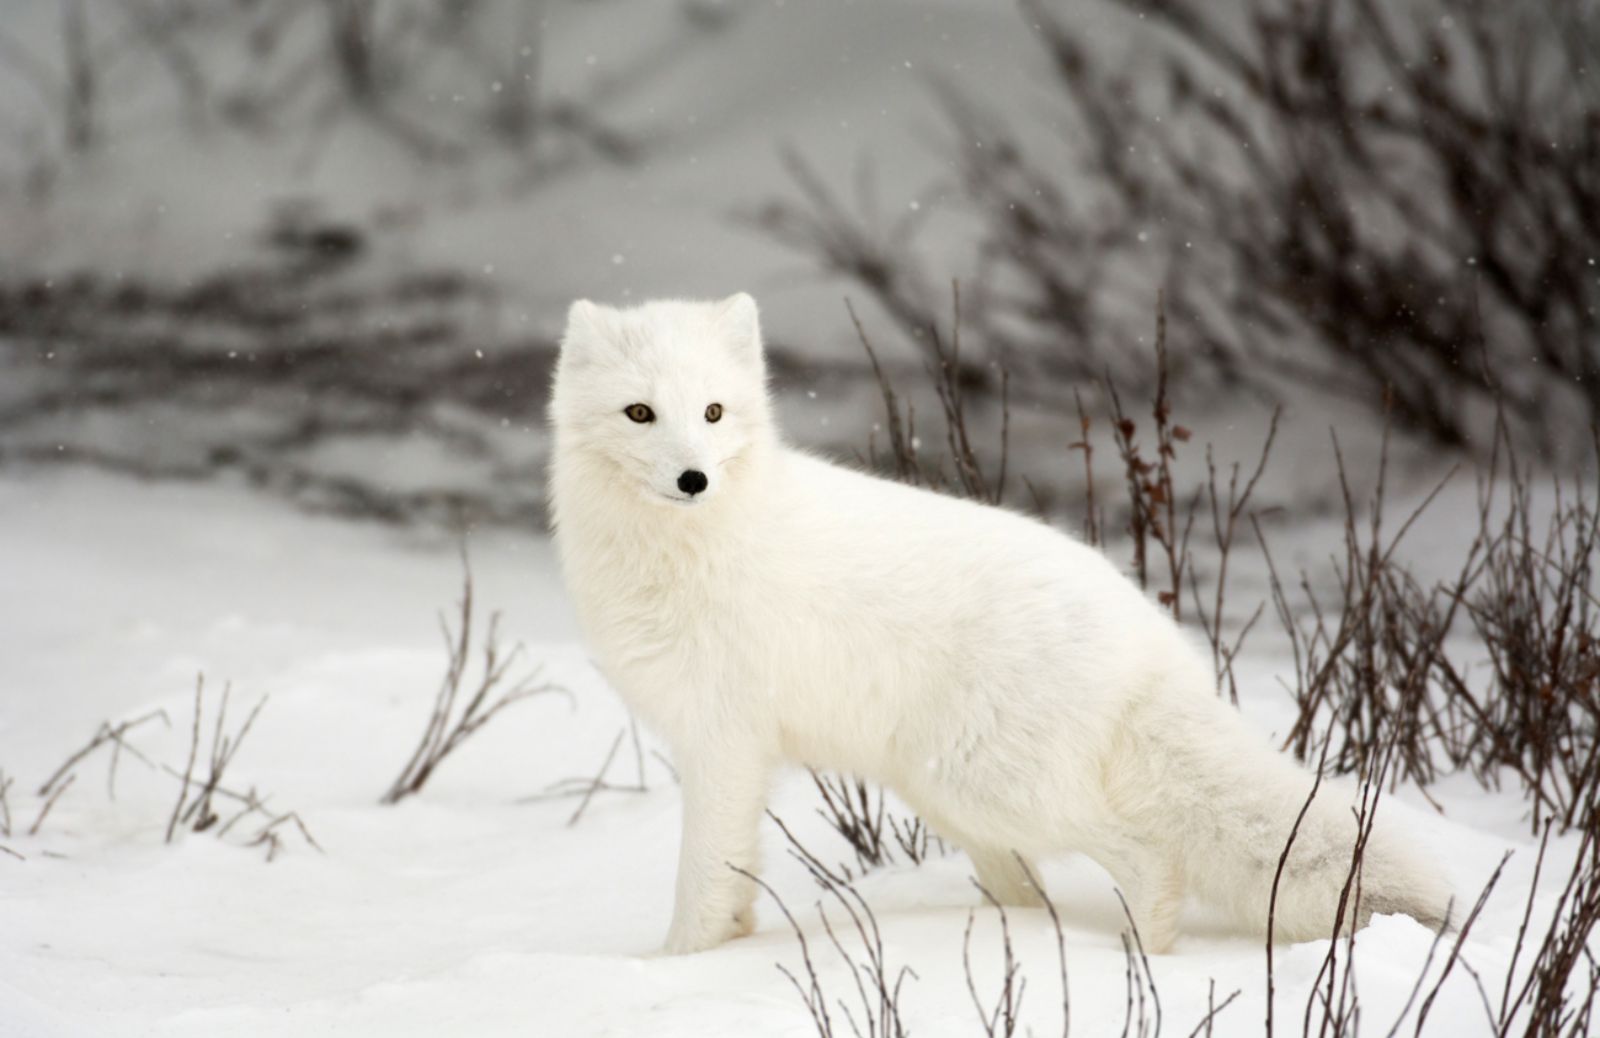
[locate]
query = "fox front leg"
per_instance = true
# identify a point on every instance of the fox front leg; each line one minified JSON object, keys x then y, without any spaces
{"x":722,"y":805}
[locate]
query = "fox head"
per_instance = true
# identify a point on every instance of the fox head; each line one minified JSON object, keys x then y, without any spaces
{"x":669,"y":398}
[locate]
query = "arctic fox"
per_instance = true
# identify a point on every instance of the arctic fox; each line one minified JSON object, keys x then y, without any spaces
{"x":757,"y":606}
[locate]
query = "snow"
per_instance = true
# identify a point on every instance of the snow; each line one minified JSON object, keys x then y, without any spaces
{"x":471,"y":908}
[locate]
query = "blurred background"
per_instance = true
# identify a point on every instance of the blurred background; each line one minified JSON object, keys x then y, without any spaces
{"x":324,"y":247}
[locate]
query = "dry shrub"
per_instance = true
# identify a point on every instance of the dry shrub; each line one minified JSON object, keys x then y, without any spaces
{"x":859,"y":812}
{"x":1410,"y":189}
{"x":1003,"y":1017}
{"x":1533,"y":607}
{"x":1367,"y":658}
{"x":461,"y":708}
{"x":951,"y":379}
{"x":1403,"y":194}
{"x":1377,"y":668}
{"x":586,"y":787}
{"x":875,"y":1010}
{"x":444,"y":81}
{"x":206,"y":801}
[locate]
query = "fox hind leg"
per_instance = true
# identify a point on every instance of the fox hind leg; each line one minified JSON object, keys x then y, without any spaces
{"x":1005,"y":877}
{"x":1151,"y":882}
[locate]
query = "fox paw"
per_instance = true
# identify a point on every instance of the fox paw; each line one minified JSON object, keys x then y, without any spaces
{"x":689,"y":940}
{"x":744,"y":922}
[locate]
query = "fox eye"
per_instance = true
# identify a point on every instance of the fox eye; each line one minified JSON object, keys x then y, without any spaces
{"x":714,"y":413}
{"x":640,"y":413}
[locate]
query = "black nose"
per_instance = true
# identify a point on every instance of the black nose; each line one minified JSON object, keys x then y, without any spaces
{"x":692,"y":481}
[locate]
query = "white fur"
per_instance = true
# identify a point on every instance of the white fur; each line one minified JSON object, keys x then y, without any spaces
{"x":1004,"y":679}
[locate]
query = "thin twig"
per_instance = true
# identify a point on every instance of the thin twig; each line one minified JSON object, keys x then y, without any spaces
{"x":44,"y":812}
{"x":188,"y":769}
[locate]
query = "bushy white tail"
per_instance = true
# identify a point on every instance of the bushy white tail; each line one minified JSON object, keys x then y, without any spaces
{"x":1255,"y":814}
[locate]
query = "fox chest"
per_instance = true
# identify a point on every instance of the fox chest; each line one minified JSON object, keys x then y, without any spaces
{"x":672,"y":649}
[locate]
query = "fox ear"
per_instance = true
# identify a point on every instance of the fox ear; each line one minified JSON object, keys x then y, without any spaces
{"x":588,"y":325}
{"x":584,"y":318}
{"x":740,"y":320}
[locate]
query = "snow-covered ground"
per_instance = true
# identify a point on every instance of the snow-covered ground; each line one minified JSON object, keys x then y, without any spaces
{"x":470,"y":908}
